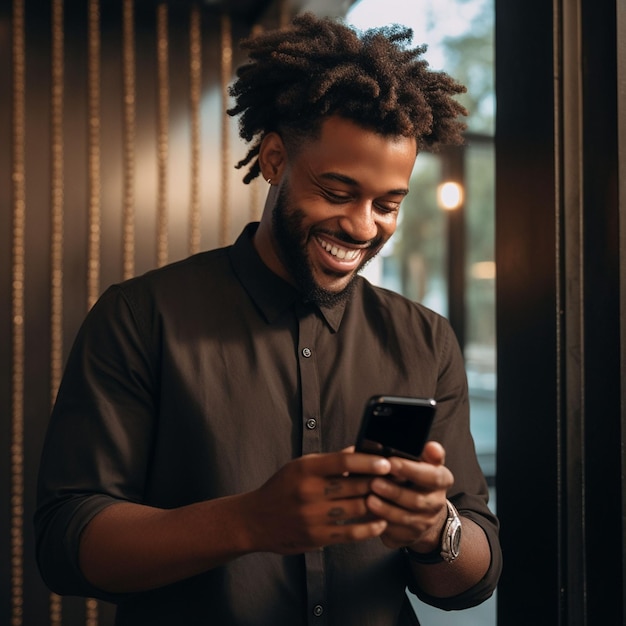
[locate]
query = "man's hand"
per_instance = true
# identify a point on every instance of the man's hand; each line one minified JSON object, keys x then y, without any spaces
{"x":413,"y":501}
{"x":314,"y":501}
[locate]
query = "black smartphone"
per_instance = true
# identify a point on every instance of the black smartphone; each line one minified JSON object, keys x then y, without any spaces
{"x":396,"y":426}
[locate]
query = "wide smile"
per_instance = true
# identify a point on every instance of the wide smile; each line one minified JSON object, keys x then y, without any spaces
{"x":339,"y":258}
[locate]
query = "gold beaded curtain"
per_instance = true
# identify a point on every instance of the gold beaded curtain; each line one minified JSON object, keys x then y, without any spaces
{"x":116,"y":156}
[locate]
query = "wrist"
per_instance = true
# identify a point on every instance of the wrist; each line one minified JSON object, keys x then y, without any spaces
{"x":447,"y":546}
{"x":430,"y":540}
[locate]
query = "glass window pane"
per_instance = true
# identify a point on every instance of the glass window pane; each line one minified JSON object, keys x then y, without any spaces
{"x":480,"y":346}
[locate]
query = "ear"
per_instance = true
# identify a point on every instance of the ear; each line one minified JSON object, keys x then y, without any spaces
{"x":272,"y":158}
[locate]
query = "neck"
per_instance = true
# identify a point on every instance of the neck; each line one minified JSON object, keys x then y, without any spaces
{"x":264,"y":241}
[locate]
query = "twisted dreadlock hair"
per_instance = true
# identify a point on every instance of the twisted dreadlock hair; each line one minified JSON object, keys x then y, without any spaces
{"x":319,"y":67}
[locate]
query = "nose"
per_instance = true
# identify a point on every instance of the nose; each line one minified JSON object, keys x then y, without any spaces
{"x":359,"y":221}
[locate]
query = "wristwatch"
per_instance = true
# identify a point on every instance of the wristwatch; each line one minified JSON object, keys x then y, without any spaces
{"x":449,"y":544}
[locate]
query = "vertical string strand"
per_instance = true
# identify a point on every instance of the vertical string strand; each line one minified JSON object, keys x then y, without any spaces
{"x":91,"y":612}
{"x":56,"y":226}
{"x":226,"y":72}
{"x":128,"y":216}
{"x":195,"y":94}
{"x":56,"y":199}
{"x":284,"y":13}
{"x":17,"y":319}
{"x":163,"y":89}
{"x":93,"y":153}
{"x":94,"y":189}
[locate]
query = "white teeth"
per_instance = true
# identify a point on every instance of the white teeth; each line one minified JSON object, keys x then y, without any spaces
{"x":340,"y":253}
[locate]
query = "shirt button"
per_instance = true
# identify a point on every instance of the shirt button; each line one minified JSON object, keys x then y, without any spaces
{"x":311,"y":423}
{"x":318,"y":609}
{"x":306,"y":352}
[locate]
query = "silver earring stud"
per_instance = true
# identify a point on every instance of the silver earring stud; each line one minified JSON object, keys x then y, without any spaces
{"x":269,"y":180}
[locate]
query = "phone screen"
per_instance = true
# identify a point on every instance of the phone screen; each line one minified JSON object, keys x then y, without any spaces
{"x":396,"y":426}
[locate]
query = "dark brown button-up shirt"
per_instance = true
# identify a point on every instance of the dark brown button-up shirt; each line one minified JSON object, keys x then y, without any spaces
{"x":200,"y":380}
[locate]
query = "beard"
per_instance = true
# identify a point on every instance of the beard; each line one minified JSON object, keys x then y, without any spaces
{"x":292,"y":239}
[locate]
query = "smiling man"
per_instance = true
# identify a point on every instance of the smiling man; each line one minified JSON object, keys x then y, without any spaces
{"x":198,"y":467}
{"x":337,"y":204}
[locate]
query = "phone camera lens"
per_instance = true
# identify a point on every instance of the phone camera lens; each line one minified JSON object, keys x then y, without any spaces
{"x":382,"y":411}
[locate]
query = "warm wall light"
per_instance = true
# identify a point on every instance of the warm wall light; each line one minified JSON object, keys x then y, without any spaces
{"x":484,"y":270}
{"x":450,"y":196}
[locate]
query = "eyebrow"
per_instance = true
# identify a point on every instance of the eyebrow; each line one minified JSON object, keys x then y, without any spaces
{"x":342,"y":178}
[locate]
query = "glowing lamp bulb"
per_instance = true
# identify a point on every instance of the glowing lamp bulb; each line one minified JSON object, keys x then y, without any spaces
{"x":450,"y":196}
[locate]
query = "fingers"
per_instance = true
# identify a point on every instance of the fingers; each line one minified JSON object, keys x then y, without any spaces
{"x":413,"y":521}
{"x":407,"y":497}
{"x":336,"y":487}
{"x":422,"y":489}
{"x":344,"y":533}
{"x":339,"y":512}
{"x":412,"y":497}
{"x":433,"y":453}
{"x":337,"y":475}
{"x":413,"y":488}
{"x":324,"y":523}
{"x":397,"y":504}
{"x":344,"y":462}
{"x":429,"y":474}
{"x":411,"y":515}
{"x":355,"y":532}
{"x":342,"y":497}
{"x":333,"y":489}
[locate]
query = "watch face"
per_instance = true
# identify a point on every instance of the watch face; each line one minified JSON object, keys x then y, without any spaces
{"x":456,"y":540}
{"x":453,"y":534}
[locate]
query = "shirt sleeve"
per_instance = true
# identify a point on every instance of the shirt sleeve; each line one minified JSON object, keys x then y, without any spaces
{"x":98,"y":442}
{"x":469,"y":493}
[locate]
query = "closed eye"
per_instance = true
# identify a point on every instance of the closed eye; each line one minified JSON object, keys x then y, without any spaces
{"x":382,"y":206}
{"x":336,"y":197}
{"x":388,"y":206}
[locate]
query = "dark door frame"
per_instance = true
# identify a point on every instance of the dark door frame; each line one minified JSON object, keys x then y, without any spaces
{"x":561,"y":309}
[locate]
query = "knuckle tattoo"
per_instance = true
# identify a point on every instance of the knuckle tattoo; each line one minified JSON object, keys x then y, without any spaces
{"x":332,"y":487}
{"x":335,"y":512}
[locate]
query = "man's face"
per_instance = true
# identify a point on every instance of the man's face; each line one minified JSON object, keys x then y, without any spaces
{"x":338,"y":205}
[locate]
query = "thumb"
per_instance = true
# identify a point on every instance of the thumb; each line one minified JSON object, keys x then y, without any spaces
{"x":433,"y":453}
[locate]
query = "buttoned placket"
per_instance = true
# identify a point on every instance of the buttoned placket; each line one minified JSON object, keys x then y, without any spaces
{"x":309,"y":324}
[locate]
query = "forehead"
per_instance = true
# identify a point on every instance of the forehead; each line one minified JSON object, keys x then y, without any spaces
{"x":360,"y":153}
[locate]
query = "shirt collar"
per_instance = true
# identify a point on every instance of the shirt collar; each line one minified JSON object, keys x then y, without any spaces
{"x":271,"y":294}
